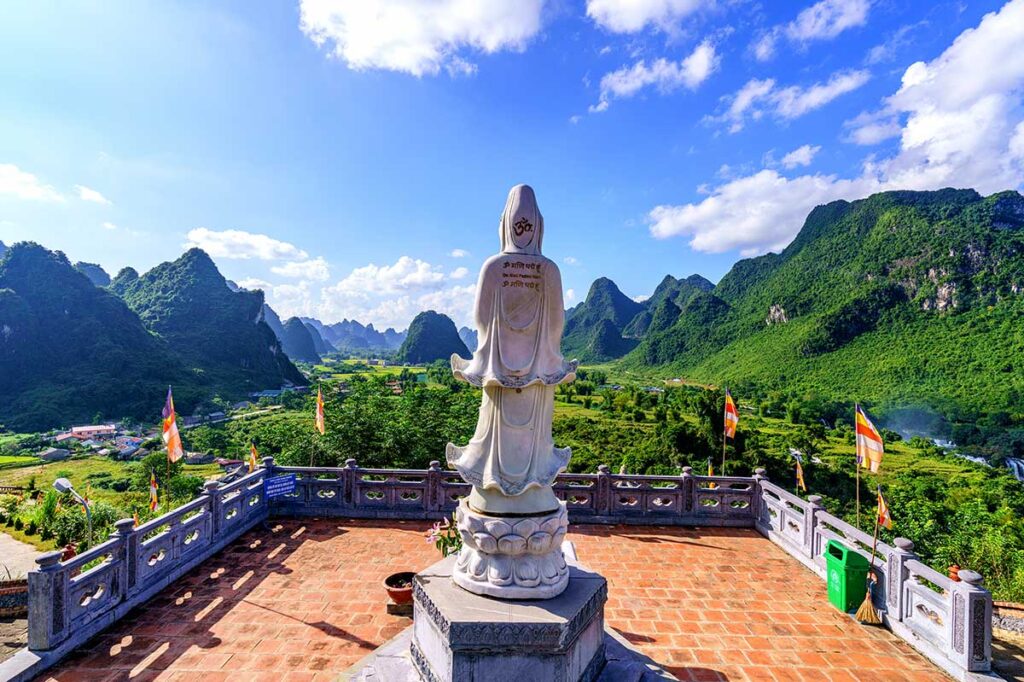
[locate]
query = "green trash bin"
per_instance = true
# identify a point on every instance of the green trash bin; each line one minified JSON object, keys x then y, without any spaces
{"x":847,"y":576}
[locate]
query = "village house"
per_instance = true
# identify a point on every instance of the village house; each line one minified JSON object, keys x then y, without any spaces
{"x":94,"y":431}
{"x":54,"y":454}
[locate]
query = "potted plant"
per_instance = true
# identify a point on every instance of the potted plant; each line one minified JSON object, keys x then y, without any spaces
{"x":399,"y":587}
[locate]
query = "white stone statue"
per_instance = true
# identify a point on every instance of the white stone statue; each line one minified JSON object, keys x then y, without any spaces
{"x":512,"y":523}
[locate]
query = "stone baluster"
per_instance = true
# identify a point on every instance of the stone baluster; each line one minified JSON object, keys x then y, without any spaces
{"x":268,"y":465}
{"x":814,"y":505}
{"x":896,"y":574}
{"x":212,"y":490}
{"x":761,"y":512}
{"x":348,"y":475}
{"x":603,"y":490}
{"x":47,"y":612}
{"x":129,"y":556}
{"x":434,"y":492}
{"x":687,"y":503}
{"x":971,"y":623}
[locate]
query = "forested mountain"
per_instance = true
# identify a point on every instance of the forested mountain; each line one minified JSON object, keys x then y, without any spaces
{"x":219,"y":334}
{"x":609,"y":324}
{"x":3,"y":249}
{"x":297,"y":342}
{"x":96,"y":274}
{"x":902,"y":297}
{"x":350,"y":335}
{"x":319,"y":344}
{"x":469,"y":337}
{"x":431,"y":336}
{"x":70,"y":350}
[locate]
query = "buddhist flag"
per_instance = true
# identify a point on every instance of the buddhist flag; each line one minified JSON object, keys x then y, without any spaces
{"x":153,"y":489}
{"x":800,"y":477}
{"x":320,"y":424}
{"x":869,"y":442}
{"x":884,"y":518}
{"x":252,"y":457}
{"x":172,"y":439}
{"x":732,"y":417}
{"x":711,"y":472}
{"x":136,"y":517}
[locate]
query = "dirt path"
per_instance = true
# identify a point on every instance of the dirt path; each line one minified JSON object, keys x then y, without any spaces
{"x":18,"y":557}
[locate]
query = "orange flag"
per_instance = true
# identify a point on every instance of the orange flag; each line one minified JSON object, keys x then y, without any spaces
{"x":869,"y":442}
{"x":172,"y":439}
{"x":884,"y":518}
{"x":252,"y":457}
{"x":732,"y":416}
{"x":321,"y":425}
{"x":154,"y":500}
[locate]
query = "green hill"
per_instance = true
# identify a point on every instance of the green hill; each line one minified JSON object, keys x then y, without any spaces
{"x":96,"y":274}
{"x":219,"y":334}
{"x":70,"y":350}
{"x":297,"y":341}
{"x":902,"y":298}
{"x":432,"y":336}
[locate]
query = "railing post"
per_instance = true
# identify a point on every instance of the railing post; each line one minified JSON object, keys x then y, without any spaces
{"x":896,"y":575}
{"x":687,"y":505}
{"x":268,"y":464}
{"x":348,"y":475}
{"x":212,"y":490}
{"x":814,"y":505}
{"x":603,"y":506}
{"x":760,"y":476}
{"x":971,"y":624}
{"x":129,"y":552}
{"x":433,"y":491}
{"x":47,"y":612}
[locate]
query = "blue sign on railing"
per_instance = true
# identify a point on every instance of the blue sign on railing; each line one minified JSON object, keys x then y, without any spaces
{"x":279,"y":485}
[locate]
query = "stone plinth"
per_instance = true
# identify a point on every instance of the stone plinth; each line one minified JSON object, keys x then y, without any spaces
{"x":512,"y":558}
{"x":467,"y":637}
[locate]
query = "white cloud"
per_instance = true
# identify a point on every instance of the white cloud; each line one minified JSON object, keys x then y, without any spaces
{"x":801,"y":156}
{"x":109,"y":226}
{"x":641,"y":298}
{"x":962,"y":125}
{"x":570,"y":296}
{"x":314,"y":269}
{"x":664,"y":74}
{"x":821,"y":21}
{"x":459,"y":253}
{"x":242,"y":245}
{"x":571,"y":260}
{"x":24,"y":185}
{"x":758,"y":97}
{"x":91,"y":195}
{"x":458,"y":273}
{"x":575,"y":118}
{"x":419,"y":37}
{"x":827,"y":19}
{"x":756,"y":213}
{"x":872,"y":128}
{"x":630,"y":16}
{"x":406,"y":274}
{"x":253,"y":283}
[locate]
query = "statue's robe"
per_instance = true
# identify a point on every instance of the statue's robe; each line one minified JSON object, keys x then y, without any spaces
{"x":518,"y":363}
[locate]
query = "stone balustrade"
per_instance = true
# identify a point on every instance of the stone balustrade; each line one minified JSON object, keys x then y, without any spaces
{"x":69,"y":602}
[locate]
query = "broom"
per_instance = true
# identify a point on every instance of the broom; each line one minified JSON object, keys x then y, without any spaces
{"x":867,"y":613}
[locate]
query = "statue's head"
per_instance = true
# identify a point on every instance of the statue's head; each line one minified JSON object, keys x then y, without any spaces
{"x":522,"y":225}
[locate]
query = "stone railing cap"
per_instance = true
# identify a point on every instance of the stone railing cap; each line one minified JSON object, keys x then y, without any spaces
{"x":904,"y":544}
{"x":970,"y":577}
{"x":49,"y":560}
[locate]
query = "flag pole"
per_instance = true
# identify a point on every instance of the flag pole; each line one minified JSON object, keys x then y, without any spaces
{"x":723,"y":452}
{"x":856,"y":458}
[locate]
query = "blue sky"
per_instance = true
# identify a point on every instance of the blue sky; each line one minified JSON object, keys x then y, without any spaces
{"x":352,"y":158}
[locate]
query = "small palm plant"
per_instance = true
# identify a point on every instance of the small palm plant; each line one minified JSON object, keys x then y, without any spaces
{"x":445,"y":536}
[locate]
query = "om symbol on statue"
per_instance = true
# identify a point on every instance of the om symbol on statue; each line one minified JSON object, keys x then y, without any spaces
{"x":521,"y":226}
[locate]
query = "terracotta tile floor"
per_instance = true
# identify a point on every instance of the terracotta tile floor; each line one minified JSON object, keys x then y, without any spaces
{"x":304,"y":602}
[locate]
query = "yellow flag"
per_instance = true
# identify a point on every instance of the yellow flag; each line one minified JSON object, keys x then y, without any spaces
{"x":252,"y":457}
{"x":321,"y":425}
{"x":884,"y":518}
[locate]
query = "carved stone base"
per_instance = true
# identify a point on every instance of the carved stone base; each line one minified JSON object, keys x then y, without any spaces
{"x":463,"y":636}
{"x":511,"y":558}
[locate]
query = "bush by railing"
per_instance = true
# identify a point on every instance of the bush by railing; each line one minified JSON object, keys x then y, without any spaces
{"x":950,"y":622}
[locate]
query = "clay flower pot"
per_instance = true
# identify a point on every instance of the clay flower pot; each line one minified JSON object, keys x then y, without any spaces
{"x":399,"y":587}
